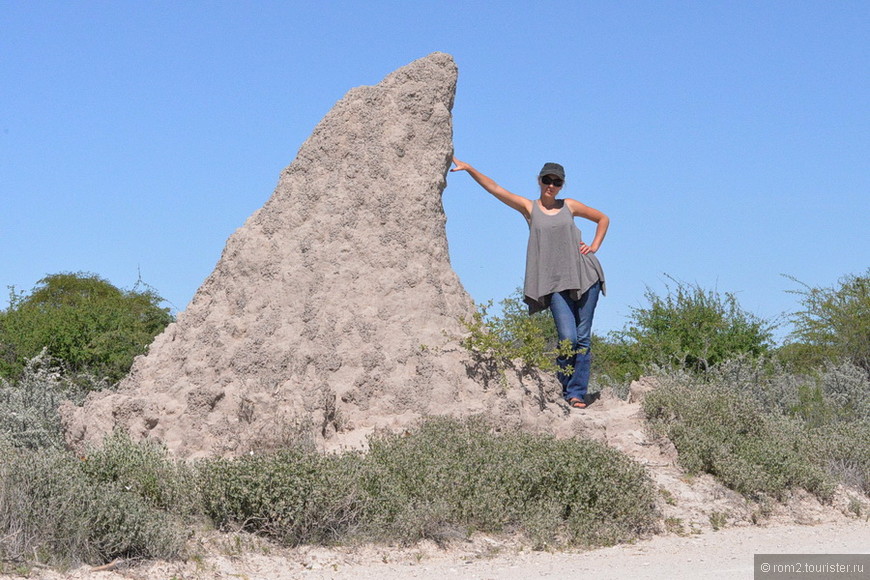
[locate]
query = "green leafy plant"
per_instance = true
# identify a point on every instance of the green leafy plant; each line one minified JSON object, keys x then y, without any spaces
{"x":441,"y":481}
{"x":834,"y":323}
{"x":294,"y":496}
{"x":145,"y":469}
{"x":764,"y":431}
{"x":717,"y":432}
{"x":451,"y":477}
{"x":513,"y":339}
{"x":689,"y":328}
{"x":29,"y":404}
{"x":83,"y":320}
{"x":54,"y":513}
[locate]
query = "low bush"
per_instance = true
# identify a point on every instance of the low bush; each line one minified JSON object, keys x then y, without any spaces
{"x":294,"y":496}
{"x":513,"y":340}
{"x":513,"y":337}
{"x":718,"y":431}
{"x":28,"y":404}
{"x":764,"y":431}
{"x":688,"y":328}
{"x":53,"y":512}
{"x":442,"y":481}
{"x":145,"y":469}
{"x":845,"y":452}
{"x":451,"y":477}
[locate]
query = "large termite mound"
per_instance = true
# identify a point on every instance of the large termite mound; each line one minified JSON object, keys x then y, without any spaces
{"x":331,"y":310}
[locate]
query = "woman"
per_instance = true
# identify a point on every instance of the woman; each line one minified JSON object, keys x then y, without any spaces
{"x":562,"y":272}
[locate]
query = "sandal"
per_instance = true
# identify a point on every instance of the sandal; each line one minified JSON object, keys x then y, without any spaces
{"x":576,"y":403}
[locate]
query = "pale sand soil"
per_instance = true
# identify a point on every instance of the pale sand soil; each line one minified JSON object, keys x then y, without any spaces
{"x":689,"y":547}
{"x":724,"y":554}
{"x":714,"y":555}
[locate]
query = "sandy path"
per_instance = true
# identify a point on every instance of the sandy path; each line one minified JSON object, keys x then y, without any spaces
{"x":714,"y":555}
{"x":724,"y":554}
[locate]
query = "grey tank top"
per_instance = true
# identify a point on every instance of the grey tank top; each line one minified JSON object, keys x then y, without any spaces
{"x":553,"y":259}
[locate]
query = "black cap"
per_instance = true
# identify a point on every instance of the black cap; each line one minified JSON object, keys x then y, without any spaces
{"x":552,"y":169}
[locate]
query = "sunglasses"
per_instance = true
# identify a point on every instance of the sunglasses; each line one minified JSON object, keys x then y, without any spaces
{"x":547,"y":180}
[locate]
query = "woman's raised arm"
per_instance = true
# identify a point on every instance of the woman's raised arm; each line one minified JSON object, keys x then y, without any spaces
{"x":518,"y":202}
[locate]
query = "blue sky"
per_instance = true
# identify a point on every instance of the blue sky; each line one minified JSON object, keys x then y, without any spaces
{"x":729,"y":142}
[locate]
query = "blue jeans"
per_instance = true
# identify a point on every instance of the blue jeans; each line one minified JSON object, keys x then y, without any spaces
{"x":573,"y":320}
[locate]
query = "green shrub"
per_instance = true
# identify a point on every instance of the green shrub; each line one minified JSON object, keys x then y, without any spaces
{"x":451,"y":477}
{"x":764,"y":431}
{"x":689,"y":328}
{"x":515,"y":341}
{"x":615,"y":363}
{"x":52,"y":512}
{"x":513,"y":337}
{"x":83,"y":320}
{"x":834,"y":322}
{"x":845,"y":453}
{"x":146,"y":470}
{"x":440,"y":481}
{"x":294,"y":496}
{"x":848,"y":390}
{"x":28,"y":404}
{"x":717,"y":430}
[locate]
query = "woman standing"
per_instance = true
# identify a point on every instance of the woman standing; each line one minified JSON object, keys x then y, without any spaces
{"x":562,"y":272}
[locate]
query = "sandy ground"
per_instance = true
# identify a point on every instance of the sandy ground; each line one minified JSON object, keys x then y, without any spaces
{"x":724,"y":554}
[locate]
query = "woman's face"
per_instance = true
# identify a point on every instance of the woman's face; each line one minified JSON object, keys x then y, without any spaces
{"x":550,"y":184}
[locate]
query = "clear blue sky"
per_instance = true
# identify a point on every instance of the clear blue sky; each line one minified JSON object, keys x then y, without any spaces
{"x":729,"y":141}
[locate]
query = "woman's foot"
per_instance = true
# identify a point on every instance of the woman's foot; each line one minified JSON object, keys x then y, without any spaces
{"x":576,"y":403}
